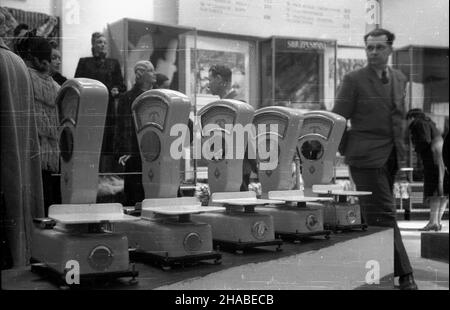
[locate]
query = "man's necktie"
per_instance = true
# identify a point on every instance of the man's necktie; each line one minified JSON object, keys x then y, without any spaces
{"x":384,"y":77}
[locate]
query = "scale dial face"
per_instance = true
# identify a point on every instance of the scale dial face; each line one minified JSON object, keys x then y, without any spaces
{"x":317,"y":125}
{"x":220,"y":116}
{"x":150,"y":146}
{"x":151,"y":111}
{"x":272,"y":119}
{"x":312,"y":150}
{"x":269,"y":145}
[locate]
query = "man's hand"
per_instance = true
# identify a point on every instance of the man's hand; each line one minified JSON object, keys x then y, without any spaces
{"x":123,"y":160}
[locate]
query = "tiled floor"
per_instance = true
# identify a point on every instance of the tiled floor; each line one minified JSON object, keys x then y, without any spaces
{"x":429,"y":274}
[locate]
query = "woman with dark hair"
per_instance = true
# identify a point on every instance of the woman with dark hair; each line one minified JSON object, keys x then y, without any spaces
{"x":45,"y":89}
{"x":55,"y":64}
{"x":428,"y":143}
{"x":106,"y":70}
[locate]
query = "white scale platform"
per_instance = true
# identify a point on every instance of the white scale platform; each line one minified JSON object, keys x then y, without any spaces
{"x":295,"y":196}
{"x":88,"y":214}
{"x":337,"y":190}
{"x":237,"y":200}
{"x":174,"y":207}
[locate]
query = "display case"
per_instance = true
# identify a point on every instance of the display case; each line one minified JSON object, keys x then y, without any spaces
{"x":169,"y":49}
{"x":426,"y":69}
{"x":164,"y":45}
{"x":299,"y":73}
{"x":239,"y":54}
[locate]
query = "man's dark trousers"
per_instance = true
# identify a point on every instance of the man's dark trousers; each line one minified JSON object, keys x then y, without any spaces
{"x":379,"y":209}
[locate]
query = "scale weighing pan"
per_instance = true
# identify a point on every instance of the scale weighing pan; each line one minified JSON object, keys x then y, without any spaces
{"x":175,"y":206}
{"x":88,"y":214}
{"x":241,"y":199}
{"x":338,"y":190}
{"x":342,"y":192}
{"x":295,"y":196}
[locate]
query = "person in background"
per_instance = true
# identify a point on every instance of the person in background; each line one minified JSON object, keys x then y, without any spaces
{"x":428,"y":143}
{"x":128,"y":147}
{"x":55,"y":65}
{"x":446,"y":155}
{"x":220,"y":82}
{"x":106,"y":70}
{"x":220,"y":85}
{"x":373,"y":99}
{"x":45,"y":90}
{"x":162,"y":81}
{"x":21,"y":196}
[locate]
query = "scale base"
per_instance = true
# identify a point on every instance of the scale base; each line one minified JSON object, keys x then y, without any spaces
{"x":102,"y":252}
{"x":346,"y":228}
{"x":91,"y":279}
{"x":167,"y":263}
{"x":293,"y":237}
{"x":342,"y":216}
{"x":240,"y":247}
{"x":240,"y":229}
{"x":168,"y":237}
{"x":296,"y":220}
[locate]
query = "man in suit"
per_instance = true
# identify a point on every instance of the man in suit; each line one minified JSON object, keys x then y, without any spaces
{"x":220,"y":82}
{"x":372,"y":98}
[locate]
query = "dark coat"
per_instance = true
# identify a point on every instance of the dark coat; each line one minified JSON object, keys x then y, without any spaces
{"x":59,"y":78}
{"x":21,"y":197}
{"x":445,"y":152}
{"x":377,"y":118}
{"x":105,"y":70}
{"x":423,"y":131}
{"x":126,"y":141}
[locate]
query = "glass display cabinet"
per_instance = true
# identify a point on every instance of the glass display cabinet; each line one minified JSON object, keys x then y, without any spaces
{"x":299,"y":73}
{"x":164,"y":45}
{"x":169,"y":49}
{"x":426,"y":69}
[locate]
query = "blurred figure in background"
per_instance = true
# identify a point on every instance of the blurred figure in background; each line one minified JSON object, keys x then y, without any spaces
{"x":162,"y":81}
{"x":428,"y":144}
{"x":45,"y":90}
{"x":55,"y":65}
{"x":106,"y":70}
{"x":128,"y":147}
{"x":21,"y":197}
{"x":220,"y":82}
